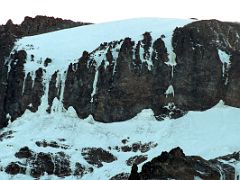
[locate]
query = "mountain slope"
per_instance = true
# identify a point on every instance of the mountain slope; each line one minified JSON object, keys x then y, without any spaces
{"x":63,"y":94}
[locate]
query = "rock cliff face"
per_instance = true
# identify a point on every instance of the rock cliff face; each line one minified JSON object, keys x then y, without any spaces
{"x":132,"y":75}
{"x":202,"y":76}
{"x":175,"y":165}
{"x":17,"y":88}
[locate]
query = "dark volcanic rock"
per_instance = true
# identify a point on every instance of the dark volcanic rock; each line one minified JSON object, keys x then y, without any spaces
{"x":39,"y":163}
{"x":175,"y":165}
{"x":199,"y":82}
{"x":80,"y":170}
{"x":138,"y":146}
{"x":16,"y":92}
{"x":136,"y":160}
{"x":15,"y":168}
{"x":54,"y":90}
{"x":134,"y":173}
{"x":121,"y":176}
{"x":43,"y":24}
{"x":6,"y":135}
{"x":24,"y":152}
{"x":78,"y":85}
{"x":52,"y":144}
{"x":95,"y":156}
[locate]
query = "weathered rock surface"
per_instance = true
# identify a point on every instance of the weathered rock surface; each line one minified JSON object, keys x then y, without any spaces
{"x":136,"y":160}
{"x":96,"y":156}
{"x":121,"y":176}
{"x":52,"y":144}
{"x":43,"y":24}
{"x":37,"y":164}
{"x":199,"y":81}
{"x":175,"y":165}
{"x":16,"y":93}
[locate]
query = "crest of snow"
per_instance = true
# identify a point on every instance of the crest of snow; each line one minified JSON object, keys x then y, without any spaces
{"x":71,"y":112}
{"x":57,"y":106}
{"x":220,"y":104}
{"x":169,"y":91}
{"x":8,"y":116}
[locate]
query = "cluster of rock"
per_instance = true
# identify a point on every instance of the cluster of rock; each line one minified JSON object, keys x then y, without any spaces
{"x":58,"y":164}
{"x":176,"y":165}
{"x":38,"y":164}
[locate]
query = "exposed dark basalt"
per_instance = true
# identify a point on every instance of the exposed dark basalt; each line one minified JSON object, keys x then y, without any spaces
{"x":54,"y":90}
{"x":17,"y":93}
{"x":121,"y":176}
{"x":175,"y":165}
{"x":52,"y":144}
{"x":78,"y":85}
{"x":43,"y":24}
{"x":125,"y":84}
{"x":198,"y":78}
{"x":6,"y":135}
{"x":96,"y":156}
{"x":136,"y":160}
{"x":40,"y":163}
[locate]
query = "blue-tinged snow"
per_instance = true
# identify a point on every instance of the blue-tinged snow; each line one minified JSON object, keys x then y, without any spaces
{"x":210,"y":134}
{"x":225,"y":59}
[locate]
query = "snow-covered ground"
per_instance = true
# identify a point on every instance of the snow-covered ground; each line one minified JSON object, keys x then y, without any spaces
{"x":210,"y":134}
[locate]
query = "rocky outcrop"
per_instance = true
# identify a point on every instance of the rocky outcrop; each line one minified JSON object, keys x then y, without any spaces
{"x":37,"y":164}
{"x":176,"y":165}
{"x":18,"y":90}
{"x":43,"y":24}
{"x":136,"y":160}
{"x":199,"y":80}
{"x":97,"y":156}
{"x":121,"y":176}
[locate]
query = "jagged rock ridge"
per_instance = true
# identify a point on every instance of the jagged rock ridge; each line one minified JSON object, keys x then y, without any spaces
{"x":176,"y":165}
